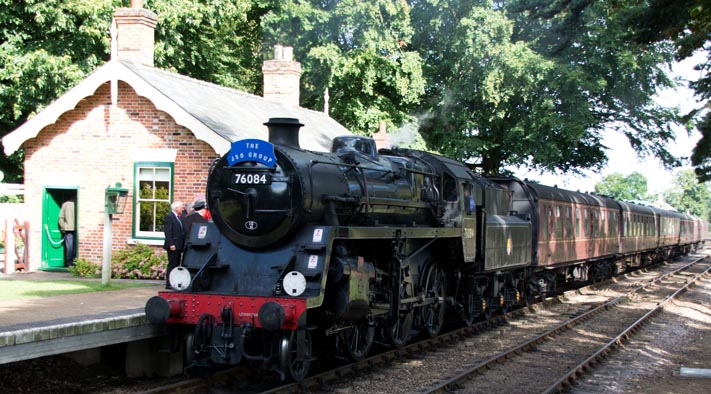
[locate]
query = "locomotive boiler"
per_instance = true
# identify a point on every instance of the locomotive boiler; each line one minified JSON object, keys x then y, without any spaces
{"x":338,"y":248}
{"x":310,"y":246}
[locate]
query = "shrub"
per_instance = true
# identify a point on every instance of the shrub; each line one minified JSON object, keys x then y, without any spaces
{"x":85,"y":268}
{"x":138,"y":262}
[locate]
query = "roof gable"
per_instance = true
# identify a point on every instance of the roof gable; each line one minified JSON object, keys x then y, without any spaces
{"x":213,"y":113}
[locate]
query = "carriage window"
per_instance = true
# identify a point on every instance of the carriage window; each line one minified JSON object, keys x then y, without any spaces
{"x":603,"y":226}
{"x":586,"y":222}
{"x":636,"y":225}
{"x":568,"y":223}
{"x":544,"y":222}
{"x":558,"y":224}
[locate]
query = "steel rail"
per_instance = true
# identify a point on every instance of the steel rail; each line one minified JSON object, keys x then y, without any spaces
{"x":449,"y":385}
{"x":623,"y":337}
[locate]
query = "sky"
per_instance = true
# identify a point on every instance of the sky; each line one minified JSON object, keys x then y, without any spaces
{"x":623,"y":159}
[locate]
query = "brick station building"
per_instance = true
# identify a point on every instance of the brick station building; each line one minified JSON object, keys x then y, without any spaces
{"x":153,"y":131}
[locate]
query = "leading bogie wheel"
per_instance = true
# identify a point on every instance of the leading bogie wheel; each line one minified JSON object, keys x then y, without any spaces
{"x":189,"y":350}
{"x":295,"y":365}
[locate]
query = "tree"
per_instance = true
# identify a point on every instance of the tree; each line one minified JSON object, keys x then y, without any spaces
{"x":620,"y":187}
{"x":45,"y":48}
{"x":359,"y":51}
{"x":689,"y":195}
{"x":687,"y":25}
{"x":217,"y":41}
{"x":611,"y":80}
{"x":48,"y":46}
{"x":488,"y":97}
{"x":535,"y":83}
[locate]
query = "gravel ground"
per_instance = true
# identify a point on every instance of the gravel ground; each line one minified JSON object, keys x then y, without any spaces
{"x":678,"y":337}
{"x":417,"y":373}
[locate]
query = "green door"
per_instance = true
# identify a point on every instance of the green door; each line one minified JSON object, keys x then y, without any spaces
{"x":52,"y":243}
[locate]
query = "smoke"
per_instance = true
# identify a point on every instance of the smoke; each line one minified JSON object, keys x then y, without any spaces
{"x":407,"y":136}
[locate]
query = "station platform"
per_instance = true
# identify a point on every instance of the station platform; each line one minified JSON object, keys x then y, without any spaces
{"x":59,"y":324}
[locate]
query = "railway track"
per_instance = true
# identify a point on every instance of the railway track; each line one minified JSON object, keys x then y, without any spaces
{"x":518,"y":337}
{"x":558,"y":356}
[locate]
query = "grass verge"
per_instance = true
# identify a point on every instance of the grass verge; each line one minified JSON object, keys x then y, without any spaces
{"x":12,"y":289}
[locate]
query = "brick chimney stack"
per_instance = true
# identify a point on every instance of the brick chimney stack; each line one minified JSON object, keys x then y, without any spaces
{"x":135,"y":34}
{"x":281,"y":77}
{"x":382,"y":139}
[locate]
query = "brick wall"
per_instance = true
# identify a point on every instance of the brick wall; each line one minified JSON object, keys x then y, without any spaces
{"x":92,"y":147}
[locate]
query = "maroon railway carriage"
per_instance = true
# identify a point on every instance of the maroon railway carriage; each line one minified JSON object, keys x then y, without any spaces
{"x":574,"y":226}
{"x":640,"y":234}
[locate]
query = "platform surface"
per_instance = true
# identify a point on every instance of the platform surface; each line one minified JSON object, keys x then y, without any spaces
{"x":63,"y":323}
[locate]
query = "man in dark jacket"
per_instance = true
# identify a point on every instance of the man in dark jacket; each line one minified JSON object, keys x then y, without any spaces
{"x":174,"y":238}
{"x":195,"y":217}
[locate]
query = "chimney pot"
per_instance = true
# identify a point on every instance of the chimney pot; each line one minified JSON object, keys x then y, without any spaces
{"x":288,"y":54}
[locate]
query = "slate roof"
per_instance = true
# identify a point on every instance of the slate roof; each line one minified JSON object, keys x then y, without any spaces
{"x":215,"y":114}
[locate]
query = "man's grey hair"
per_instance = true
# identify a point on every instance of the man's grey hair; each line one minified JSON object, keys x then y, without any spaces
{"x":175,"y":205}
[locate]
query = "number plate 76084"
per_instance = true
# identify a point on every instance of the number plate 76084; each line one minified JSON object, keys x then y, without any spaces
{"x":253,"y":179}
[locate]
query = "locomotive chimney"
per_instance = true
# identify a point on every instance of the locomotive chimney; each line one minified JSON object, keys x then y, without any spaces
{"x":284,"y":131}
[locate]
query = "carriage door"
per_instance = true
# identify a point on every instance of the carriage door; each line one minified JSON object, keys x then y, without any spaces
{"x":469,"y":222}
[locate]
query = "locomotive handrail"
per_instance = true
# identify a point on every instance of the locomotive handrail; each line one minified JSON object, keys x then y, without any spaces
{"x":351,"y":166}
{"x":313,"y":162}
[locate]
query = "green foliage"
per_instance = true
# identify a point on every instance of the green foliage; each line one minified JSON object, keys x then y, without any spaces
{"x":85,"y":268}
{"x":12,"y":199}
{"x":136,"y":262}
{"x":689,"y":195}
{"x":359,"y":52}
{"x":620,"y":187}
{"x":701,"y":156}
{"x":535,"y":83}
{"x":217,"y":41}
{"x":46,"y":47}
{"x":139,"y":262}
{"x":493,"y":98}
{"x":687,"y":24}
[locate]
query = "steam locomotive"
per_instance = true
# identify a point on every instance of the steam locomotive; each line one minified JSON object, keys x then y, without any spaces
{"x":356,"y":244}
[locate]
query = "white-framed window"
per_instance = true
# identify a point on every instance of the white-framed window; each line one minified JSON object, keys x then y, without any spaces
{"x":153,"y":191}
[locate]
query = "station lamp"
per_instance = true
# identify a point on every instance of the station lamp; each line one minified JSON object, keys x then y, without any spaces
{"x":116,"y":197}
